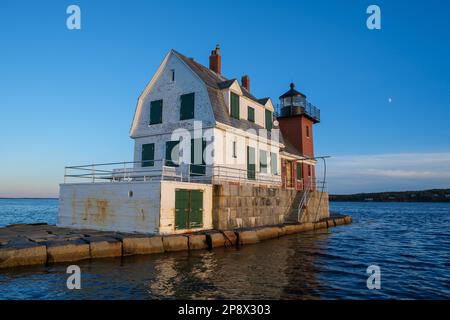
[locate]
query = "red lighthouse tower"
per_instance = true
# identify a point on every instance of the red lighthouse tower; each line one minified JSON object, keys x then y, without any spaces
{"x":296,"y":119}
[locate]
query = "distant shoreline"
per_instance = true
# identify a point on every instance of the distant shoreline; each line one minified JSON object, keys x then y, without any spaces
{"x":432,"y":195}
{"x":20,"y":198}
{"x":391,"y":201}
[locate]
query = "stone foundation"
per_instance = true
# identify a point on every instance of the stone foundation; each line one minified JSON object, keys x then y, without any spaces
{"x":66,"y":245}
{"x":244,"y":205}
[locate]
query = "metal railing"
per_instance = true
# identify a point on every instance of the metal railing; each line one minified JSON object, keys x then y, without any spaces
{"x":304,"y":200}
{"x":313,"y":184}
{"x":156,"y":170}
{"x":224,"y":173}
{"x":299,"y":108}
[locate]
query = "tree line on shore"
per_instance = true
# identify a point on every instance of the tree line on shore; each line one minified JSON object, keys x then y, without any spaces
{"x":433,"y":195}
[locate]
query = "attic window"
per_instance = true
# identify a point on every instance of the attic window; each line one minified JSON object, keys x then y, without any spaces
{"x":251,"y":114}
{"x":172,"y":75}
{"x":187,"y":107}
{"x":269,"y":120}
{"x":307,"y":131}
{"x":234,"y":105}
{"x":156,"y":111}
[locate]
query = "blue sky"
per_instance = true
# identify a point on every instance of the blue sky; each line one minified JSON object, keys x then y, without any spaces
{"x":68,"y":97}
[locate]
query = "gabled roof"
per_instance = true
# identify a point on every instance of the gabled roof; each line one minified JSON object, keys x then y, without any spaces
{"x":263,"y":101}
{"x":226,"y":84}
{"x":212,"y":79}
{"x":216,"y":82}
{"x":222,"y":115}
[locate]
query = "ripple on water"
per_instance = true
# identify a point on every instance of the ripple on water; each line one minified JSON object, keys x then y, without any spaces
{"x":409,"y":242}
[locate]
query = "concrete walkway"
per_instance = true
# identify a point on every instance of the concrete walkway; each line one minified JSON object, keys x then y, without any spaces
{"x":39,"y":244}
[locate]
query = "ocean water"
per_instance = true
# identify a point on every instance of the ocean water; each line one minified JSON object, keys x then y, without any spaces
{"x":28,"y":211}
{"x":409,"y":242}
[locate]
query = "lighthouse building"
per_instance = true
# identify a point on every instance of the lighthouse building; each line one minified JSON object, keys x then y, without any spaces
{"x":208,"y":154}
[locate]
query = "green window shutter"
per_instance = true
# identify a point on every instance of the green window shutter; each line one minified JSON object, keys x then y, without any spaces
{"x":268,"y":120}
{"x":187,"y":106}
{"x":251,"y":166}
{"x":234,"y":105}
{"x":148,"y":155}
{"x":172,"y":148}
{"x":156,"y":111}
{"x":251,"y":114}
{"x":262,"y":161}
{"x":299,"y":171}
{"x":197,"y":157}
{"x":273,"y":163}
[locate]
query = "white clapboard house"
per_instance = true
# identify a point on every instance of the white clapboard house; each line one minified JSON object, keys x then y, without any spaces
{"x":192,"y":129}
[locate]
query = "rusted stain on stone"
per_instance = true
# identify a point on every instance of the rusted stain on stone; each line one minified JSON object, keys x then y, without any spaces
{"x":87,"y":208}
{"x":102,"y":211}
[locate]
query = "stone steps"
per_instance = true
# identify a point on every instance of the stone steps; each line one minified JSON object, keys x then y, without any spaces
{"x":292,"y":216}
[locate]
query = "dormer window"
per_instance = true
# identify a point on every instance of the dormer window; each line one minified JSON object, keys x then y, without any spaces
{"x":251,"y":114}
{"x":307,"y":131}
{"x":234,"y":105}
{"x":269,"y":120}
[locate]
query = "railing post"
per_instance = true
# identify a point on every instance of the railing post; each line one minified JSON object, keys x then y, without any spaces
{"x":93,"y":174}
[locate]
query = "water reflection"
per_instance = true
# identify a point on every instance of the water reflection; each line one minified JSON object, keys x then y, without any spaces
{"x":243,"y":273}
{"x":324,"y":264}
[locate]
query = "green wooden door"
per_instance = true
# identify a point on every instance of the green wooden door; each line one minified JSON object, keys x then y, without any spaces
{"x":188,"y":209}
{"x":181,"y":208}
{"x":196,"y":209}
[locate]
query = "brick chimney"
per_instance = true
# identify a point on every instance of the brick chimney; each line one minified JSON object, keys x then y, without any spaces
{"x":245,"y":80}
{"x":214,"y":60}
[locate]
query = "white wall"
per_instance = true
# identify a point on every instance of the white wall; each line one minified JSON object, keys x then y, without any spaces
{"x":224,"y":156}
{"x":186,"y":81}
{"x":107,"y":206}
